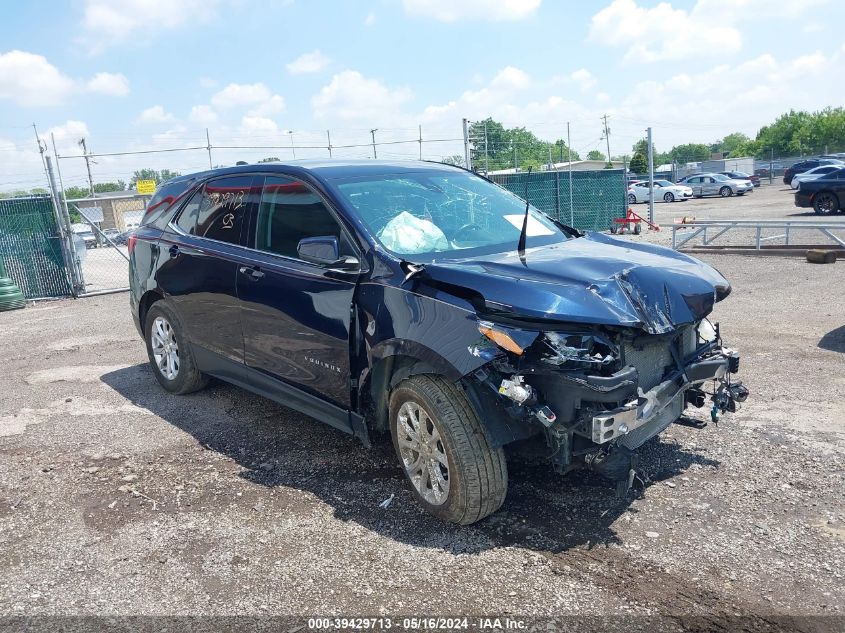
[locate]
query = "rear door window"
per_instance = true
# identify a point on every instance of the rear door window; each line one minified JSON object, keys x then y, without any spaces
{"x":217,"y":211}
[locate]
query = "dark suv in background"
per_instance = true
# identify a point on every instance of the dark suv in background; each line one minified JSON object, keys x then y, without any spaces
{"x":423,"y":300}
{"x":805,"y":165}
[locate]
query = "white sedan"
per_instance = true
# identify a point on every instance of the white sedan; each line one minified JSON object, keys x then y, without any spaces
{"x":664,"y":190}
{"x":812,"y":174}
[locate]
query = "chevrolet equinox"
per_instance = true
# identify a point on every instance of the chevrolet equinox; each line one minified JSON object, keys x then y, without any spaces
{"x":423,"y":300}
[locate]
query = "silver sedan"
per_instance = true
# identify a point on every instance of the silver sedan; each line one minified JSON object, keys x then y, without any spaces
{"x":718,"y":185}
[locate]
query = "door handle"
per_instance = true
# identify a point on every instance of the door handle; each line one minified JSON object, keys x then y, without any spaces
{"x":174,"y":250}
{"x":252,"y":273}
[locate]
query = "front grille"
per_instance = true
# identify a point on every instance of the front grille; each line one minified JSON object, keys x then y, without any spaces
{"x":652,"y":358}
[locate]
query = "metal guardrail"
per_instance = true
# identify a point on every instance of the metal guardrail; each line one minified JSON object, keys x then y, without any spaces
{"x":718,"y":228}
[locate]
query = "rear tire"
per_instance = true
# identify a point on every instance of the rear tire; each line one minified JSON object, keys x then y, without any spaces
{"x":826,"y":203}
{"x":170,"y":353}
{"x":454,"y":473}
{"x":725,"y":192}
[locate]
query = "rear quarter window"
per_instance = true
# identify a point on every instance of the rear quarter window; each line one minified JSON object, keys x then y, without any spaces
{"x":164,"y":201}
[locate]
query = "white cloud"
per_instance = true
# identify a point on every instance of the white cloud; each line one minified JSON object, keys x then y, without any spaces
{"x":312,"y":62}
{"x":258,"y":124}
{"x":155,"y":114}
{"x":241,"y":95}
{"x":273,"y":105}
{"x":665,"y":33}
{"x":111,"y":22}
{"x":455,"y":10}
{"x":510,"y":78}
{"x":584,"y":78}
{"x":370,"y":19}
{"x":203,"y":115}
{"x":30,"y":80}
{"x":68,"y":133}
{"x":350,"y":96}
{"x":113,"y":84}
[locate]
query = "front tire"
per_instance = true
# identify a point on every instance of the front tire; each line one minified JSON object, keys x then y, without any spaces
{"x":725,"y":192}
{"x":669,"y":197}
{"x":169,"y":352}
{"x":825,"y":203}
{"x":454,"y":473}
{"x":632,"y":199}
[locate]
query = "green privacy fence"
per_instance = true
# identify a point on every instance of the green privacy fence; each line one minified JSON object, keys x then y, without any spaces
{"x":597,"y":196}
{"x":30,"y":247}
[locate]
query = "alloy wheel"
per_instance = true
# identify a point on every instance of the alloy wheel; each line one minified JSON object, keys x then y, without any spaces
{"x":165,"y":348}
{"x":725,"y":192}
{"x":825,"y":204}
{"x":423,"y":453}
{"x":669,"y":197}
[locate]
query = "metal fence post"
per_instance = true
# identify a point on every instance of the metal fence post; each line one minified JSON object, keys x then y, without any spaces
{"x":72,"y":266}
{"x":557,"y":195}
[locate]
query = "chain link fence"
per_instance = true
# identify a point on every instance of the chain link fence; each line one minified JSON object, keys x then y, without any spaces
{"x":591,"y":203}
{"x":106,"y":222}
{"x":31,"y":247}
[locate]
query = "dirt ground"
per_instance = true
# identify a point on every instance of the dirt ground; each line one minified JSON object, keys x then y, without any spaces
{"x":117,"y":498}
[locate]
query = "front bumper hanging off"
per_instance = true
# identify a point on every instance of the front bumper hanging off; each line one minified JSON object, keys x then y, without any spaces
{"x":652,"y":411}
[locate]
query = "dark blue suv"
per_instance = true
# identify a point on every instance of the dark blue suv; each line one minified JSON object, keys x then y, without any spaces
{"x":423,"y":300}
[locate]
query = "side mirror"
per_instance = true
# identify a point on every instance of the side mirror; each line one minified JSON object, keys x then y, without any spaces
{"x":324,"y":250}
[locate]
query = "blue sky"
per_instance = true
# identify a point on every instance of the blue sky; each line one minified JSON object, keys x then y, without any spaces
{"x":150,"y":74}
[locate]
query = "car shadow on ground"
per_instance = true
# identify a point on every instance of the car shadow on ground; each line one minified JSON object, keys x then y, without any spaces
{"x":834,"y":340}
{"x":278,"y":447}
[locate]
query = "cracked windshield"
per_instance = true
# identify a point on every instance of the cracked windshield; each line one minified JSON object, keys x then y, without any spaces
{"x":432,"y":213}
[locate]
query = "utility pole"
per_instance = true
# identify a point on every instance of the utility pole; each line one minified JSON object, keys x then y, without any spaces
{"x":569,"y":160}
{"x":486,"y":155}
{"x":87,"y":165}
{"x":467,"y":157}
{"x":607,"y":136}
{"x":550,"y":156}
{"x":329,"y":137}
{"x":292,"y":148}
{"x":208,"y":147}
{"x":42,"y":147}
{"x":650,"y":178}
{"x":373,"y":132}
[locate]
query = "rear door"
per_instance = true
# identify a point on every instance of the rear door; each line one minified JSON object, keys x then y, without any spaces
{"x":695,"y":184}
{"x":200,"y":268}
{"x":296,"y":314}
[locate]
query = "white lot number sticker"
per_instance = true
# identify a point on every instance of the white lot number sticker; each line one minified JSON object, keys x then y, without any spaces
{"x":535,"y":227}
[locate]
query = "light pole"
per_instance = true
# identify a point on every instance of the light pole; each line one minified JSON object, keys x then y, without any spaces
{"x":292,"y":148}
{"x":373,"y":133}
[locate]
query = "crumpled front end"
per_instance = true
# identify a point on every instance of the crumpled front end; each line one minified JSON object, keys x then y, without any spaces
{"x":597,"y":394}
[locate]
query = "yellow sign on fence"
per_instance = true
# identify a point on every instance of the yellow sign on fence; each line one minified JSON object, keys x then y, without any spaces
{"x":146,"y":187}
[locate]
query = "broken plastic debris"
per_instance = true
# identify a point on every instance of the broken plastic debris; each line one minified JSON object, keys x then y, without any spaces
{"x":387,"y":501}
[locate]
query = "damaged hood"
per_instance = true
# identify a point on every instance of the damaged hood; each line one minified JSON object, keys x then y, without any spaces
{"x":594,"y":279}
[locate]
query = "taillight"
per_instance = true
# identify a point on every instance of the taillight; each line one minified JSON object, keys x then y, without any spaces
{"x":130,"y":243}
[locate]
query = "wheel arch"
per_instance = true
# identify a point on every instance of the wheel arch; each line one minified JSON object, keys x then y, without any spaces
{"x":146,"y":302}
{"x":390,"y":365}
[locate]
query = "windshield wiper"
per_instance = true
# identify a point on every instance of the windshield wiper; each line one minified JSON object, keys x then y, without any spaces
{"x":520,"y":248}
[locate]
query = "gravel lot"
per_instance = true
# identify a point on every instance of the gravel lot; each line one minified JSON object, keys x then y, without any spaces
{"x":117,"y":498}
